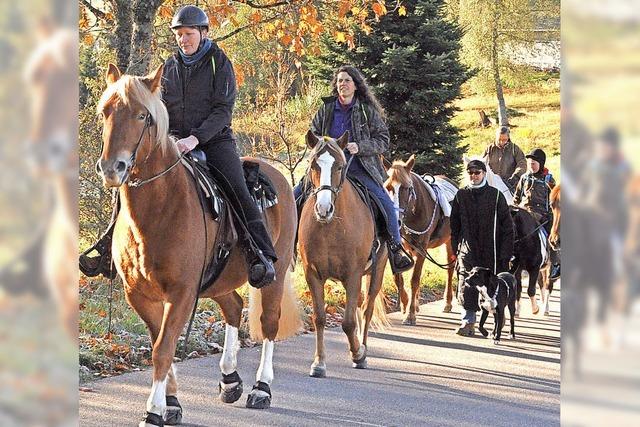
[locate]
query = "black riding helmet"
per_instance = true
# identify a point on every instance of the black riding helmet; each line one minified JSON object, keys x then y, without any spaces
{"x":190,"y":16}
{"x":538,"y":155}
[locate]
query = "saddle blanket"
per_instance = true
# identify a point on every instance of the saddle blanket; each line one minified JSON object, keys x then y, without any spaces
{"x":442,"y":192}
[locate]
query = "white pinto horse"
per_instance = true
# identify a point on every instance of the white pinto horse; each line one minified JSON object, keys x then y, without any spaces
{"x":493,"y":179}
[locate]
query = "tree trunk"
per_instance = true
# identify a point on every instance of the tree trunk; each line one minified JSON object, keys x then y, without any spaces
{"x":123,"y":31}
{"x":144,"y":13}
{"x":503,"y":119}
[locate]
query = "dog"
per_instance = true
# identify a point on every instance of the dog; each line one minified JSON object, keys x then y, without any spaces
{"x":496,"y":293}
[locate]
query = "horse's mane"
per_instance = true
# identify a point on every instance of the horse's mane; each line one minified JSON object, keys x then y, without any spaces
{"x":133,"y":90}
{"x":398,"y":173}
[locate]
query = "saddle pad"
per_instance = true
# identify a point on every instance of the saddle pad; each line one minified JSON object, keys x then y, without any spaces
{"x":441,"y":191}
{"x":208,"y":186}
{"x":370,"y":199}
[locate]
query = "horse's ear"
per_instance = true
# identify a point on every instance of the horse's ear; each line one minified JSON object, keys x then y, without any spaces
{"x":343,"y":140}
{"x":113,"y":74}
{"x":410,"y":163}
{"x":312,"y":139}
{"x":154,"y":79}
{"x":465,"y":159}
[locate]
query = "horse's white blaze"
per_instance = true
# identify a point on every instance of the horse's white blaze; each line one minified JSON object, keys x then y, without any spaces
{"x":265,"y":371}
{"x":157,"y":402}
{"x":228,"y":361}
{"x":323,"y":199}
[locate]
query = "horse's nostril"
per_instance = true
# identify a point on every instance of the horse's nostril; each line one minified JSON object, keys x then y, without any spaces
{"x":121,"y":166}
{"x":99,"y":167}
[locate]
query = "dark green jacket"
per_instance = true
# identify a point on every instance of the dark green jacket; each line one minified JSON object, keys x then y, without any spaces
{"x":368,"y":130}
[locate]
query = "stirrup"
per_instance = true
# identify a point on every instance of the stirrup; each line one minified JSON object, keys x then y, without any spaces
{"x":261,"y":271}
{"x":394,"y":250}
{"x":101,"y":263}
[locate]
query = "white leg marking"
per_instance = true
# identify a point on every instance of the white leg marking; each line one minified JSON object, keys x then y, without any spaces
{"x":323,"y":199}
{"x":228,"y":361}
{"x":265,"y":371}
{"x":157,"y":402}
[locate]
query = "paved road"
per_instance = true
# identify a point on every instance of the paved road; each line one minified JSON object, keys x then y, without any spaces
{"x":422,"y":375}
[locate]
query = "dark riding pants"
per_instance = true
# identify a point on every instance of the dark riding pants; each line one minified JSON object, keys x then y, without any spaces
{"x":223,"y":159}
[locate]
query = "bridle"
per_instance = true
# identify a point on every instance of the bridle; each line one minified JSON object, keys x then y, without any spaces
{"x":334,"y":189}
{"x":148,"y":122}
{"x":412,"y":198}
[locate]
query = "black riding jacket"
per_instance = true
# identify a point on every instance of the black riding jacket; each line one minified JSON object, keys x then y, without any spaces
{"x":209,"y":96}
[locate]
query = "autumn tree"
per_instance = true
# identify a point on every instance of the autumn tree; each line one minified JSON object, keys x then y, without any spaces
{"x":136,"y":29}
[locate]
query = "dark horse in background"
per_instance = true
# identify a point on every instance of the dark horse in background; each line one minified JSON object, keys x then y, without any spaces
{"x":529,"y":255}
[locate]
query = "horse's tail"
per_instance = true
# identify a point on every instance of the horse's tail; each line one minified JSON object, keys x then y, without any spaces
{"x":379,"y":319}
{"x":290,"y":321}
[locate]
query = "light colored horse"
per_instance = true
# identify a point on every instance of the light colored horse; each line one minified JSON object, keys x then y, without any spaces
{"x":162,"y":239}
{"x":493,"y":179}
{"x":336,"y":235}
{"x":425,"y":226}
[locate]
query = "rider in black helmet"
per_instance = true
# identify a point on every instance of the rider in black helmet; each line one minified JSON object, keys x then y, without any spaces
{"x":199,"y":91}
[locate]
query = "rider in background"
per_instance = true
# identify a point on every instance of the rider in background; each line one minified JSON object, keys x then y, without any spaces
{"x":505,"y":158}
{"x":481,"y":236}
{"x":532,"y":193}
{"x":353,"y":107}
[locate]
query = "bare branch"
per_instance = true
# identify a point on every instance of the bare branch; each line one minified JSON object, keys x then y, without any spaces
{"x":264,"y":6}
{"x":245,"y":27}
{"x":96,"y":12}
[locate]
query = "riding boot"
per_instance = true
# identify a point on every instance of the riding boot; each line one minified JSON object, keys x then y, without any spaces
{"x":101,"y":263}
{"x":398,"y":259}
{"x":261,"y":256}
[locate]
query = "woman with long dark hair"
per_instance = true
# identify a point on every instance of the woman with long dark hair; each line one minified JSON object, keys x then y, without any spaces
{"x":353,"y":107}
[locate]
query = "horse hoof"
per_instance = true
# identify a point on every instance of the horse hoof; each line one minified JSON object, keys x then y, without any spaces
{"x":447,"y":308}
{"x":360,"y":360}
{"x":173,"y":415}
{"x":496,"y":342}
{"x":230,"y":393}
{"x":512,"y":337}
{"x":409,"y":322}
{"x":260,"y":396}
{"x":360,"y":364}
{"x":484,"y":332}
{"x":150,"y":420}
{"x":318,"y":371}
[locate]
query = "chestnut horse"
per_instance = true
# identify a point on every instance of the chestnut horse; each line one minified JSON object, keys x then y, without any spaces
{"x":425,"y":226}
{"x":162,"y":239}
{"x":336,"y":235}
{"x":545,"y":283}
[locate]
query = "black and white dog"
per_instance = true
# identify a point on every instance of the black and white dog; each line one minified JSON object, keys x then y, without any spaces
{"x":496,"y":293}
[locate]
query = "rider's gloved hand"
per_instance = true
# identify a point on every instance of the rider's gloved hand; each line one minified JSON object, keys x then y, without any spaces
{"x":187,"y":144}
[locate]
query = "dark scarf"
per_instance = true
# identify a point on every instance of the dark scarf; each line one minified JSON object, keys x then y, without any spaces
{"x":189,"y":60}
